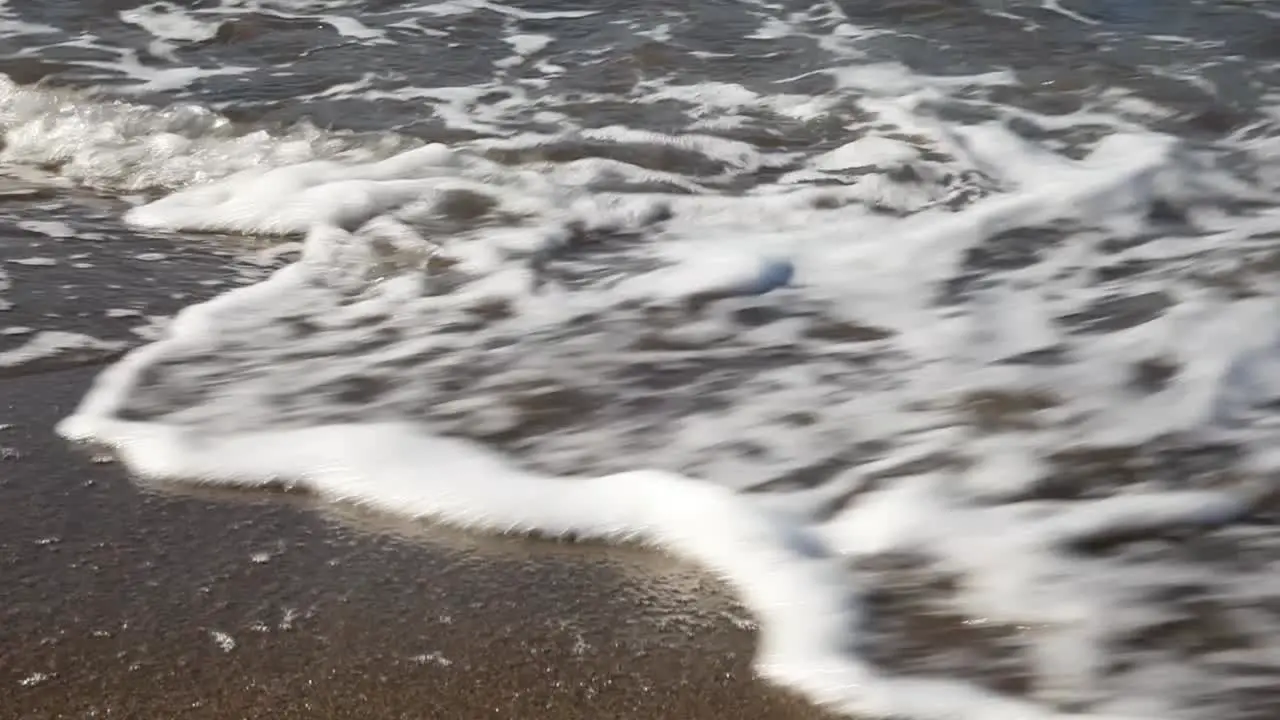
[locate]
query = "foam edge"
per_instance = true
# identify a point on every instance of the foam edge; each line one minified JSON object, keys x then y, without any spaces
{"x":786,"y":575}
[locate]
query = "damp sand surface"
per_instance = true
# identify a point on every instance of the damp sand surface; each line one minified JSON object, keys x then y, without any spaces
{"x":127,"y":601}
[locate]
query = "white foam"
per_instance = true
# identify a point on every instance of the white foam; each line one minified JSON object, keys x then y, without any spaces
{"x":465,"y":7}
{"x":527,"y":44}
{"x":787,"y":566}
{"x":52,"y":228}
{"x":167,"y":21}
{"x":787,"y":575}
{"x":870,"y":151}
{"x":131,"y":147}
{"x":59,"y":346}
{"x":11,"y":26}
{"x":1013,"y":566}
{"x":225,"y":642}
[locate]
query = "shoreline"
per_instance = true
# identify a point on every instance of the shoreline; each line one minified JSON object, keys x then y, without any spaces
{"x":125,"y":602}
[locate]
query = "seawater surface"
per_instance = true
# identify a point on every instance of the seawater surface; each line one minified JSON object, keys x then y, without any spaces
{"x":998,"y":442}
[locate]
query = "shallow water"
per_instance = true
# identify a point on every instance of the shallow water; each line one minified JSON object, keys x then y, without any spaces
{"x":1000,"y":445}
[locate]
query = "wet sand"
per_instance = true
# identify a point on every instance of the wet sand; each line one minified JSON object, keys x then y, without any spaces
{"x":121,"y":601}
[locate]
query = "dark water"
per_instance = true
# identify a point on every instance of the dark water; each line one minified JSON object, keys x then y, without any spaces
{"x":1213,"y":63}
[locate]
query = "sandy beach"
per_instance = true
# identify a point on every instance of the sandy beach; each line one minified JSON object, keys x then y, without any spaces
{"x":128,"y":602}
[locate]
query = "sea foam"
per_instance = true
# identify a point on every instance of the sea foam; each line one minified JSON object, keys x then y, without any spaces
{"x":786,"y":557}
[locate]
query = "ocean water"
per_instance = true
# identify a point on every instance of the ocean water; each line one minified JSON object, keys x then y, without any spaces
{"x":945,"y":331}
